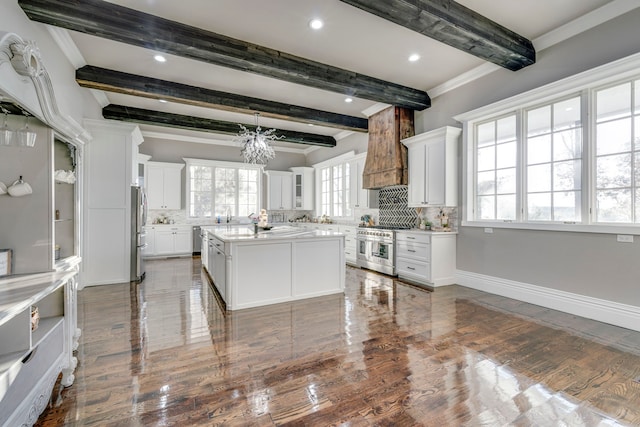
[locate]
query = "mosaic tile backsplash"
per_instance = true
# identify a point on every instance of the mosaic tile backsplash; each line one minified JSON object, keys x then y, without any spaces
{"x":394,"y":210}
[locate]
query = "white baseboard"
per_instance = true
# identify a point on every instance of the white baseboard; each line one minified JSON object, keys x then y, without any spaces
{"x":624,"y":315}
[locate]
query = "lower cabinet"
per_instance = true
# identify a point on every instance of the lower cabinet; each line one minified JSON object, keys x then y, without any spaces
{"x":424,"y":257}
{"x":350,"y":243}
{"x":169,"y":240}
{"x":33,"y":353}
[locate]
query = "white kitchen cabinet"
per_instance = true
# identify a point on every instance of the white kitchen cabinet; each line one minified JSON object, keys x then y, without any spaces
{"x":433,"y":161}
{"x":150,"y":240}
{"x":219,"y":278}
{"x":303,"y":186}
{"x":279,"y":190}
{"x":425,"y":257}
{"x":164,"y":188}
{"x":360,"y":197}
{"x":350,"y":243}
{"x":169,"y":240}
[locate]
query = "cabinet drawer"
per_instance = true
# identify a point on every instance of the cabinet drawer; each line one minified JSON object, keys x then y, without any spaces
{"x":413,"y":237}
{"x":414,"y":250}
{"x":414,"y":269}
{"x":32,"y":370}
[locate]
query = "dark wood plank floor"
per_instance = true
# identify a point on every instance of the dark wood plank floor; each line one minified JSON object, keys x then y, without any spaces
{"x":162,"y":353}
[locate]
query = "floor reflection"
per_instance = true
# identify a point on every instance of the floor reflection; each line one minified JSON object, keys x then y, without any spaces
{"x":163,"y":352}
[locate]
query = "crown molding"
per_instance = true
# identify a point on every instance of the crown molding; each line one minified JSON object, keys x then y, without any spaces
{"x":579,"y":25}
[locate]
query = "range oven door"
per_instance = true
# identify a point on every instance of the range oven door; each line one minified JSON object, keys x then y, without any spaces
{"x":376,"y":254}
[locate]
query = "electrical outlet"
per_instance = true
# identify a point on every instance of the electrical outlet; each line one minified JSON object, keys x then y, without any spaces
{"x":625,"y":238}
{"x":488,"y":230}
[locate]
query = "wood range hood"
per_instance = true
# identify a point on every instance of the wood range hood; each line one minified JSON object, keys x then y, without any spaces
{"x":386,"y":162}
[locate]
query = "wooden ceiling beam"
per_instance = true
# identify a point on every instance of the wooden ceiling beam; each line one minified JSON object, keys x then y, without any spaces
{"x":131,"y":84}
{"x":103,"y":19}
{"x":158,"y":118}
{"x":458,"y":26}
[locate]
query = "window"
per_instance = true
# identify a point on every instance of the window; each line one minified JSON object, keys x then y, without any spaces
{"x":554,"y":162}
{"x":496,"y":169}
{"x":221,"y":188}
{"x":562,"y":157}
{"x":333,"y":177}
{"x":618,"y":153}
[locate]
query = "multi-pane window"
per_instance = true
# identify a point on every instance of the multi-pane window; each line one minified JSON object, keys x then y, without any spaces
{"x":617,"y":154}
{"x":496,"y":159}
{"x":223,"y":190}
{"x":554,"y":162}
{"x":335,"y":190}
{"x":200,"y":200}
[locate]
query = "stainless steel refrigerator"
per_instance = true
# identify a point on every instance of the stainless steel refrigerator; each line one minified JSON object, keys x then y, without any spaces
{"x":138,"y":243}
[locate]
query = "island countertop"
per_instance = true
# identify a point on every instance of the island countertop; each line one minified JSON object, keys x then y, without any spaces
{"x":238,"y":234}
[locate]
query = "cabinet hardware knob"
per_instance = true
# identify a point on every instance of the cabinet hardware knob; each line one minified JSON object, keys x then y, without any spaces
{"x":410,"y":268}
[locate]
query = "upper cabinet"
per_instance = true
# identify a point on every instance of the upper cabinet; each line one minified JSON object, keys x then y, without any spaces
{"x":164,"y":188}
{"x":279,"y":190}
{"x":433,"y":161}
{"x":303,"y":185}
{"x":361,"y":197}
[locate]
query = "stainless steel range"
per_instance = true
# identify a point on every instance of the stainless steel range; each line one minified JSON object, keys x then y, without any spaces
{"x":376,"y":248}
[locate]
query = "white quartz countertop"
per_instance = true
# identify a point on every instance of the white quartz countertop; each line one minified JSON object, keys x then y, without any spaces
{"x":238,"y":234}
{"x":419,"y":231}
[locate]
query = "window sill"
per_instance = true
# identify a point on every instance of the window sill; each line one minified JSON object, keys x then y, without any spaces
{"x":571,"y":228}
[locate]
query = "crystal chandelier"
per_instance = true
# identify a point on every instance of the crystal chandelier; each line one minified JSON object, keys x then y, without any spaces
{"x":256,"y":144}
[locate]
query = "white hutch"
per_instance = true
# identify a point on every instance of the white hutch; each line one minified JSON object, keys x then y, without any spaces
{"x":39,"y":237}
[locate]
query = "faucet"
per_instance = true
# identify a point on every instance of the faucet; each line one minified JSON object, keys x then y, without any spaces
{"x":228,"y":214}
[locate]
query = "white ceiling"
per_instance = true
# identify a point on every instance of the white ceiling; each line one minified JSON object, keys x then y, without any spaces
{"x":351,"y":39}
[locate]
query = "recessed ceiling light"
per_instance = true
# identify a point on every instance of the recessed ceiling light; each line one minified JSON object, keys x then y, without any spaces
{"x":348,"y":100}
{"x":162,"y":100}
{"x":316,"y":24}
{"x":310,"y":124}
{"x":160,"y":58}
{"x":414,"y":57}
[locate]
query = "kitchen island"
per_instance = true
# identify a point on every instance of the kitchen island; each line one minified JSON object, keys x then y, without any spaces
{"x":279,"y":265}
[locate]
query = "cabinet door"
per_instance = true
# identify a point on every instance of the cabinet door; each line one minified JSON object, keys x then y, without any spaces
{"x":435,"y":173}
{"x":155,"y":187}
{"x":275,"y":192}
{"x":164,"y":242}
{"x":361,"y":197}
{"x":287,"y":192}
{"x":417,"y":159}
{"x":182,"y":241}
{"x":172,"y":190}
{"x":220,"y":273}
{"x":150,"y":240}
{"x":298,"y":181}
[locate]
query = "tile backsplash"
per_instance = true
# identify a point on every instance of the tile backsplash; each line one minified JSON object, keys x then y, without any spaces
{"x":394,"y":210}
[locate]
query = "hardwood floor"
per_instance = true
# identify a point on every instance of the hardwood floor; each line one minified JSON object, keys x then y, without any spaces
{"x":162,"y":353}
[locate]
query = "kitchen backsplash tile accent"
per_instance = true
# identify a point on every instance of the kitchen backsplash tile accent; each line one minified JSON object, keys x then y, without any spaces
{"x":394,"y":210}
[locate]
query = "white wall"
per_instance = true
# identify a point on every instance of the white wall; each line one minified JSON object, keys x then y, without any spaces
{"x":593,"y":265}
{"x":171,"y":151}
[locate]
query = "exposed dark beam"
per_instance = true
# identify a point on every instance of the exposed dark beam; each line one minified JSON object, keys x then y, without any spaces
{"x":457,"y":26}
{"x":114,"y":22}
{"x":131,"y":84}
{"x":158,"y":118}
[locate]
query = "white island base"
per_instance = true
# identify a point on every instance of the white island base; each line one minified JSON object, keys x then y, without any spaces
{"x":279,"y":266}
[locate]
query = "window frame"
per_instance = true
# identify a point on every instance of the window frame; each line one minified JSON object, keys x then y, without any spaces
{"x":220,"y":164}
{"x":585,"y":84}
{"x":343,"y":161}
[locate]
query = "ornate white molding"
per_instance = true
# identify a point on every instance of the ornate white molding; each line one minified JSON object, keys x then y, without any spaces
{"x":25,"y":81}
